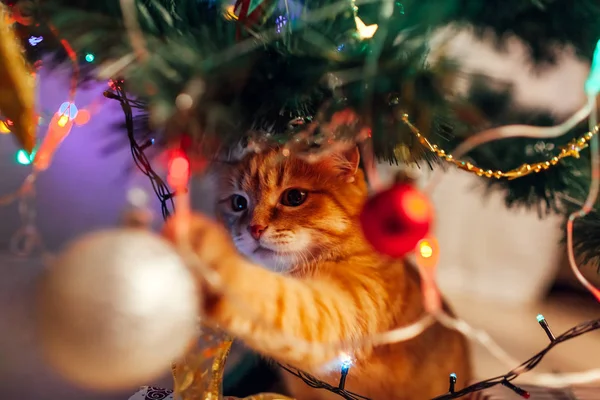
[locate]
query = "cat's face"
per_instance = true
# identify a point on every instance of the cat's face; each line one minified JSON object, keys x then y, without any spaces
{"x":283,"y":212}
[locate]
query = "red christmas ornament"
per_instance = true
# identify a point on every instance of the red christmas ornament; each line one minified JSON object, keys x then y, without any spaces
{"x":394,"y":220}
{"x":251,"y":12}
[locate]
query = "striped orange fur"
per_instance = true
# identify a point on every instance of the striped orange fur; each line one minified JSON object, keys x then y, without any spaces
{"x":322,"y":281}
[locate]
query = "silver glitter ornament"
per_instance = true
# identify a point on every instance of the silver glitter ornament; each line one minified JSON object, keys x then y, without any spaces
{"x":116,"y":308}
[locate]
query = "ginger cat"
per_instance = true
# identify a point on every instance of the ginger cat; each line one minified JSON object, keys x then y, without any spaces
{"x":306,"y":271}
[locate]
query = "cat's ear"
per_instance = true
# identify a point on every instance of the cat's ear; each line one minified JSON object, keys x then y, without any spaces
{"x":347,"y":163}
{"x":233,"y":153}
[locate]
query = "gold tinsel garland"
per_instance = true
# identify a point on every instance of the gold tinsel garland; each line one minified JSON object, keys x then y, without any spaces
{"x":572,"y":149}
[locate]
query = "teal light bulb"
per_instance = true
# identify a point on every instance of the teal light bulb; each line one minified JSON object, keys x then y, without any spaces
{"x":23,"y":158}
{"x":592,"y":85}
{"x":540,"y":317}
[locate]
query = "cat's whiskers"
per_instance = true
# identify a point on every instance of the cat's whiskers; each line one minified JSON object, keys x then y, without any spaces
{"x":302,"y":255}
{"x":280,"y":265}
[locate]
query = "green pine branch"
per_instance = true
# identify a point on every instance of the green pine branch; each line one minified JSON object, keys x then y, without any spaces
{"x":258,"y":76}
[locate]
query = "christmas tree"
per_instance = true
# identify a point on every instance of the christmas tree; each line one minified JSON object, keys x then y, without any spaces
{"x":267,"y":70}
{"x":313,"y":76}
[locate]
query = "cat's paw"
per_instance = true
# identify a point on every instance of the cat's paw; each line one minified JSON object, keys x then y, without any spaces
{"x":208,"y":239}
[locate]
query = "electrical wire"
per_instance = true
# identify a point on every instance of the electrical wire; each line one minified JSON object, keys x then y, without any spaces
{"x":589,"y":202}
{"x":393,"y":336}
{"x":160,"y":188}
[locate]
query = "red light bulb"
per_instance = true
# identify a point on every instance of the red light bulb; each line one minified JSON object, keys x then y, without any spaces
{"x":179,"y":172}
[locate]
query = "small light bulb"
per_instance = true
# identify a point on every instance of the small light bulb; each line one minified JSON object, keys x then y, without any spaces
{"x":592,"y":84}
{"x":147,"y":144}
{"x":427,"y":253}
{"x":69,"y":109}
{"x":23,"y":158}
{"x":89,"y":57}
{"x":453,"y":380}
{"x":35,"y":40}
{"x":540,"y":318}
{"x":4,"y":127}
{"x":179,"y":172}
{"x":345,"y":361}
{"x":62,"y":121}
{"x":425,"y":249}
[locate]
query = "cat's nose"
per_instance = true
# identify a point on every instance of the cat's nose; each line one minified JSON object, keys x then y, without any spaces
{"x":256,"y":231}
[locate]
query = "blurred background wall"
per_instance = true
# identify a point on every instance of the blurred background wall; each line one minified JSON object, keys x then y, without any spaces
{"x":488,"y":251}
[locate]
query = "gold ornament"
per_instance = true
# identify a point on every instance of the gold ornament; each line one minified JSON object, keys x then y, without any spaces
{"x":116,"y":308}
{"x":572,"y":149}
{"x":17,"y":96}
{"x":199,"y":375}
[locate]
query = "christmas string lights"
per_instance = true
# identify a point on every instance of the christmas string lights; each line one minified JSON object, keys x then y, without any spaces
{"x":453,"y":378}
{"x":528,"y":365}
{"x":27,"y":238}
{"x":558,"y":380}
{"x":318,"y":384}
{"x":405,"y":333}
{"x":544,"y":324}
{"x":397,"y":335}
{"x":167,"y":195}
{"x":346,"y":363}
{"x":505,"y":380}
{"x":162,"y":191}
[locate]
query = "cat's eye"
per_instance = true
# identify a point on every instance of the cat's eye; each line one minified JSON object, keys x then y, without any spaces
{"x":238,"y":203}
{"x":293,"y":197}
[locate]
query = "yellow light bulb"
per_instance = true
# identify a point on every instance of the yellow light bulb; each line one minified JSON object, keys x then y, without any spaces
{"x":62,"y":121}
{"x":425,"y":249}
{"x":427,"y":253}
{"x":4,"y":127}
